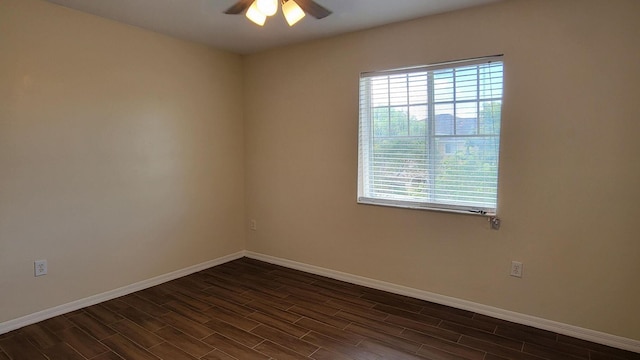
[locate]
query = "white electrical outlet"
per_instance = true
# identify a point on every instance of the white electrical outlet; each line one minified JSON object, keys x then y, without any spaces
{"x":516,"y":269}
{"x":253,"y":225}
{"x":40,"y":267}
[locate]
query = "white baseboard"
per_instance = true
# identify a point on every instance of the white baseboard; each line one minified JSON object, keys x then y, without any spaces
{"x":540,"y":323}
{"x":112,"y":294}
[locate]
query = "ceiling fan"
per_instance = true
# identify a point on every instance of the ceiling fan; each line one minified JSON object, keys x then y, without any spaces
{"x":293,"y":10}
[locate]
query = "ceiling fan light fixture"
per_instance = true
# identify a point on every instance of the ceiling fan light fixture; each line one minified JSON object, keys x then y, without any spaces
{"x":292,"y":12}
{"x":267,"y":7}
{"x":255,"y":15}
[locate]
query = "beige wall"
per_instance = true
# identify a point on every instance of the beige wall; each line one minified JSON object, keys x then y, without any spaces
{"x":569,"y":179}
{"x":120,"y":155}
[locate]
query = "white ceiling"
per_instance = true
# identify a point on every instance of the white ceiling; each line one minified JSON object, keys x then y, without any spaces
{"x":203,"y":21}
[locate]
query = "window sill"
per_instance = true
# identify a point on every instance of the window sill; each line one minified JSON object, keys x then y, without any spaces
{"x":464,"y":210}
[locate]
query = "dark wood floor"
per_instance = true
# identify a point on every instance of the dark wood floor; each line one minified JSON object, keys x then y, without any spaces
{"x":247,"y":309}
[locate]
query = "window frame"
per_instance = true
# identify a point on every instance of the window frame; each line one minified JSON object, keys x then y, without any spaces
{"x":366,"y":136}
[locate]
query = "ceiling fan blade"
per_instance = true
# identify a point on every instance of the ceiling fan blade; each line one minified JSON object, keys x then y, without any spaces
{"x":239,"y":7}
{"x":313,"y":8}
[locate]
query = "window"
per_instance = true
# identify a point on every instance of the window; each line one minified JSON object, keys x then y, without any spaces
{"x":429,"y":136}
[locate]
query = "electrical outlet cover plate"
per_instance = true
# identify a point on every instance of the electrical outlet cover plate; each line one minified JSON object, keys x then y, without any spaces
{"x":516,"y":269}
{"x":40,"y":267}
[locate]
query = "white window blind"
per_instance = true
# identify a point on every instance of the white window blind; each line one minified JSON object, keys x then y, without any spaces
{"x":429,"y":136}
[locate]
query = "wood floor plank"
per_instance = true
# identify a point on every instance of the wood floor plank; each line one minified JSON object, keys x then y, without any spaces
{"x":183,"y":341}
{"x":158,"y":294}
{"x":225,"y":329}
{"x":339,"y":295}
{"x":187,"y":326}
{"x":324,"y":354}
{"x":102,"y":314}
{"x":187,"y":298}
{"x":365,"y":311}
{"x":115,"y":305}
{"x":495,"y":349}
{"x":279,"y":302}
{"x":549,"y":353}
{"x":233,"y":348}
{"x":92,"y":326}
{"x":274,"y":312}
{"x":143,"y":319}
{"x":388,"y":352}
{"x":330,"y":331}
{"x":74,"y":313}
{"x":228,"y":285}
{"x":278,"y":352}
{"x":57,"y":323}
{"x":599,"y":350}
{"x":336,"y":286}
{"x":392,"y":301}
{"x":186,"y":311}
{"x":425,"y":319}
{"x":40,"y":336}
{"x":108,"y":356}
{"x":594,"y":355}
{"x":382,"y":326}
{"x":320,"y":307}
{"x":299,"y":276}
{"x":339,"y":347}
{"x":483,"y":335}
{"x":454,"y":317}
{"x":495,"y":357}
{"x":85,"y":344}
{"x":451,"y":347}
{"x":232,"y":318}
{"x":136,"y":333}
{"x":226,"y":278}
{"x":62,"y":351}
{"x":284,"y":326}
{"x":218,"y":355}
{"x":144,"y":305}
{"x":168,"y":351}
{"x":307,"y":292}
{"x":423,"y":328}
{"x":504,"y":325}
{"x":425,"y":336}
{"x":222,"y":293}
{"x":318,"y":316}
{"x":128,"y":349}
{"x":288,"y":341}
{"x":191,"y":282}
{"x":437,"y":354}
{"x":395,"y":341}
{"x":545,"y":341}
{"x":18,"y":347}
{"x":10,"y":334}
{"x":229,"y":305}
